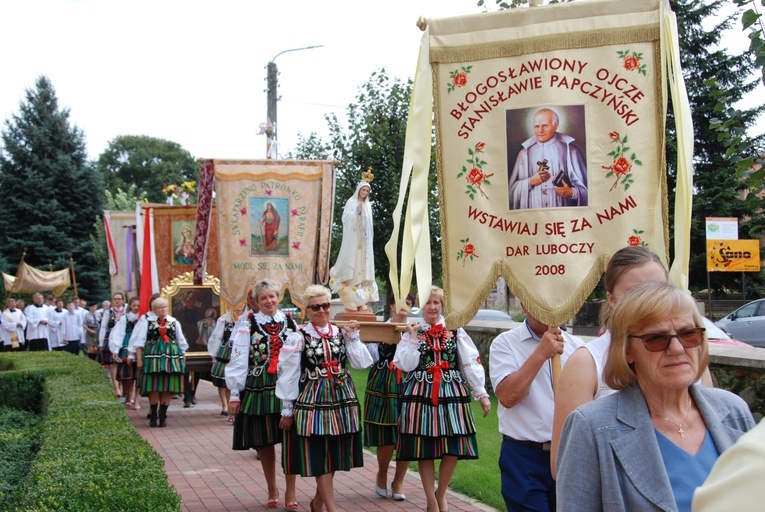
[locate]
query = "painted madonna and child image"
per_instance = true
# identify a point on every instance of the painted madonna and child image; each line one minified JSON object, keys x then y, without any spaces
{"x":546,"y":163}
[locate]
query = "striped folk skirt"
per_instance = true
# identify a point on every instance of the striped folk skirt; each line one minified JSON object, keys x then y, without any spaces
{"x":163,"y":368}
{"x":326,"y":434}
{"x":257,"y":424}
{"x":318,"y":455}
{"x":381,"y":405}
{"x":222,"y":358}
{"x":125,"y":368}
{"x":428,"y":431}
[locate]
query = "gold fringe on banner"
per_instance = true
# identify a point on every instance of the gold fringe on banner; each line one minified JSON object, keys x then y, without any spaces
{"x":544,"y":44}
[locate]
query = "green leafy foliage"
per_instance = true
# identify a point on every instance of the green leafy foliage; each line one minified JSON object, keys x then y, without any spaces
{"x":147,"y":163}
{"x":710,"y":71}
{"x":19,"y":436}
{"x":51,"y":194}
{"x":90,"y":456}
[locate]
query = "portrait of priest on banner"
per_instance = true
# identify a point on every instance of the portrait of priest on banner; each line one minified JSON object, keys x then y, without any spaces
{"x":546,"y":149}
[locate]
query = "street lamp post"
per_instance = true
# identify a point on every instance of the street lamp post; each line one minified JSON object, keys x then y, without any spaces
{"x":272,"y":82}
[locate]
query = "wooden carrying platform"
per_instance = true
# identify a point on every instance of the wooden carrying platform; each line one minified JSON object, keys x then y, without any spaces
{"x":378,"y":332}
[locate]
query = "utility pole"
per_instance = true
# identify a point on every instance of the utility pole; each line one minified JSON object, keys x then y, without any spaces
{"x":272,"y":82}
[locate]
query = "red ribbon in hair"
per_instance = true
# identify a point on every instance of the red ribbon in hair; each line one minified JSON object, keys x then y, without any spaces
{"x":437,"y":371}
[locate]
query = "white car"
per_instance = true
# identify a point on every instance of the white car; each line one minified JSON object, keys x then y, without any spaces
{"x":747,"y":323}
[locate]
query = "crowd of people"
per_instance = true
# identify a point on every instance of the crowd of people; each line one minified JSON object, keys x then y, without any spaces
{"x":631,"y":423}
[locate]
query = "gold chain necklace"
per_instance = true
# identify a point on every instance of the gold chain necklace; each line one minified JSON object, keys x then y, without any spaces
{"x":680,"y":425}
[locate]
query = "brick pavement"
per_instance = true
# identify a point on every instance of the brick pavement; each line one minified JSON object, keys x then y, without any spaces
{"x":209,"y":476}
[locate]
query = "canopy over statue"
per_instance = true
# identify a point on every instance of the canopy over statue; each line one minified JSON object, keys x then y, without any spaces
{"x":353,"y":275}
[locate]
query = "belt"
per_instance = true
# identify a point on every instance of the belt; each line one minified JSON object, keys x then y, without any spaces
{"x":545,"y":447}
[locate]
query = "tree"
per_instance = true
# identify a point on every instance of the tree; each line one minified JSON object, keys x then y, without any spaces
{"x":51,"y":194}
{"x":373,"y":139}
{"x":146,"y":162}
{"x":717,"y":191}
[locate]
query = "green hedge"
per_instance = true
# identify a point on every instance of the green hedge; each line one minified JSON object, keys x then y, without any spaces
{"x":90,"y":456}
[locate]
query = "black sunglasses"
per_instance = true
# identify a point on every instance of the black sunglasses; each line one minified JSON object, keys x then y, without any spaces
{"x":658,"y":342}
{"x":317,"y":307}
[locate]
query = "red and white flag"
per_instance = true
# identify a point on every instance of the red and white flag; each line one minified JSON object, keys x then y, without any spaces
{"x":149,"y":280}
{"x":110,"y":245}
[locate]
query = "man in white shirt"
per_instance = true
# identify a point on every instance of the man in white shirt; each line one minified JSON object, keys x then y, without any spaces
{"x":12,"y":326}
{"x":37,"y":324}
{"x":520,"y":368}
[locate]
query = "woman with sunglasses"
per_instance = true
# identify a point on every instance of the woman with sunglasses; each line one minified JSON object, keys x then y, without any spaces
{"x":320,"y":409}
{"x":581,"y":380}
{"x":436,"y":419}
{"x":251,"y":374}
{"x":650,"y":445}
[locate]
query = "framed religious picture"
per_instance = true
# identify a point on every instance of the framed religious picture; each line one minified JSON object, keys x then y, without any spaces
{"x":197,"y":308}
{"x":546,"y":157}
{"x":269,"y":226}
{"x":182,"y":248}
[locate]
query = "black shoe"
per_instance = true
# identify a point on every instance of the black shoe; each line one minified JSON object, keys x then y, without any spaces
{"x":163,"y":416}
{"x":186,"y":405}
{"x":153,"y":415}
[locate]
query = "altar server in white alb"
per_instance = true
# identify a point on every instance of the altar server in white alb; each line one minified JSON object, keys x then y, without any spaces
{"x":37,"y":324}
{"x":56,"y":325}
{"x":72,"y":329}
{"x":12,"y":326}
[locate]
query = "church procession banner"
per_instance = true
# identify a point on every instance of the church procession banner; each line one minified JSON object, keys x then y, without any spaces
{"x":274,"y":221}
{"x":550,"y":149}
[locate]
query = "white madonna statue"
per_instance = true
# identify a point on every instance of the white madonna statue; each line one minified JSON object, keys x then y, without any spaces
{"x":353,"y":275}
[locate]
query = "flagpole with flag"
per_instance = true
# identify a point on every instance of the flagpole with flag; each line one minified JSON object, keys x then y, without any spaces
{"x":146,"y":264}
{"x":113,"y":269}
{"x":74,"y":278}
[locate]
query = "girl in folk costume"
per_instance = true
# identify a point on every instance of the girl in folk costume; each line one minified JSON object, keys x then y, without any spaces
{"x":119,"y":340}
{"x":321,"y":412}
{"x":436,"y":420}
{"x":109,"y":319}
{"x":353,"y":275}
{"x":251,"y":375}
{"x":219,"y":348}
{"x":160,"y":349}
{"x":381,"y":408}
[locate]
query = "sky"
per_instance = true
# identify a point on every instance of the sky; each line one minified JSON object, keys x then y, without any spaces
{"x":193,"y":72}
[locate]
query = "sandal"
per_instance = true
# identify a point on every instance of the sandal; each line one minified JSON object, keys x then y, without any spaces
{"x":292,"y":506}
{"x":273,"y":503}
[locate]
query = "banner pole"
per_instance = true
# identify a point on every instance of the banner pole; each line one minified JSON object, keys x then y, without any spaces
{"x":74,"y":277}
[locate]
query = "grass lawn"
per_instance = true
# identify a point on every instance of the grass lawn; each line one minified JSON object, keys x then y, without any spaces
{"x":479,"y":479}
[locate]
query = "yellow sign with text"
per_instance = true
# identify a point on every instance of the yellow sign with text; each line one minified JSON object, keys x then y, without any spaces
{"x":733,"y":255}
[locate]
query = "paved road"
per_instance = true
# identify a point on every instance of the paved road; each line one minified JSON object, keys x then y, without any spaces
{"x":209,"y":476}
